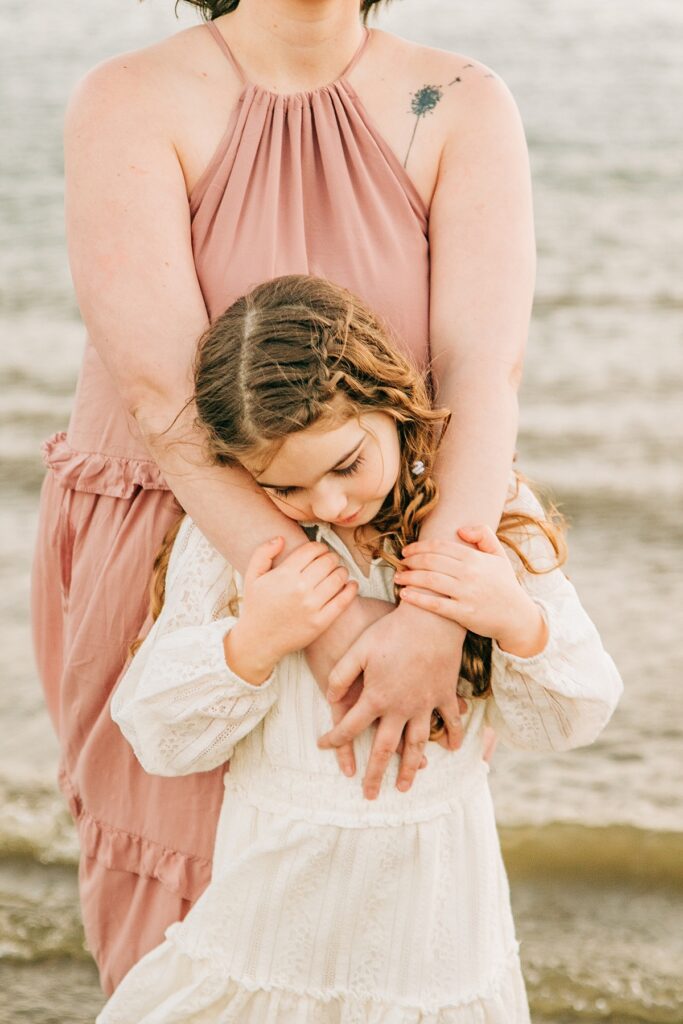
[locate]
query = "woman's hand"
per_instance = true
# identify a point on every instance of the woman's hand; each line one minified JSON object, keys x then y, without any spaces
{"x":410,"y":661}
{"x":323,"y":654}
{"x":286,"y":607}
{"x":474,"y":586}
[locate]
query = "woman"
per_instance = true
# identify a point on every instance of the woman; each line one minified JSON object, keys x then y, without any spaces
{"x":283,"y":137}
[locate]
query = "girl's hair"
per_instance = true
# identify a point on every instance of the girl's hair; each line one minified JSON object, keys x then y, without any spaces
{"x":298,"y":351}
{"x":211,"y":9}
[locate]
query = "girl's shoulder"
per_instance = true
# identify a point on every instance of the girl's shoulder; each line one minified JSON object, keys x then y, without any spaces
{"x":529,"y":524}
{"x":194,"y":552}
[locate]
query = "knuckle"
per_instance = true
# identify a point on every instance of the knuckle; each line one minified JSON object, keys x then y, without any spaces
{"x":375,"y":700}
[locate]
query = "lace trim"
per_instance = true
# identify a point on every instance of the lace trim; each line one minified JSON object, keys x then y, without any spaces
{"x":502,"y":975}
{"x":180,"y":873}
{"x":98,"y":473}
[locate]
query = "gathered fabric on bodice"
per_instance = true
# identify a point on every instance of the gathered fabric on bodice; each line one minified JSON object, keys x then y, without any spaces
{"x":300,"y":183}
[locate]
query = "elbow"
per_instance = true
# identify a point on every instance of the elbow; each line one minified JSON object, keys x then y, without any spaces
{"x":152,"y":760}
{"x":588,"y":726}
{"x":158,"y":411}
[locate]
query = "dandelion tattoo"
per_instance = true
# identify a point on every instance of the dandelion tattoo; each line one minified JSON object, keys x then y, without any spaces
{"x":422,"y":103}
{"x":425,"y":100}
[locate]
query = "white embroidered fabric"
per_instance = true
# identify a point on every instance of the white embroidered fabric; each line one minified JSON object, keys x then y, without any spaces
{"x":323,"y":906}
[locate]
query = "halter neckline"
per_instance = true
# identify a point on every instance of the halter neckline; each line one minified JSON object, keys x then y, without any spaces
{"x":248,"y":83}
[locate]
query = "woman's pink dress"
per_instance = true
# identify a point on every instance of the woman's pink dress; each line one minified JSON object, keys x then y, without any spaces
{"x":300,"y":183}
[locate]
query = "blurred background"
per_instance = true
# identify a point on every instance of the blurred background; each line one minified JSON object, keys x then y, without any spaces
{"x":594,"y":839}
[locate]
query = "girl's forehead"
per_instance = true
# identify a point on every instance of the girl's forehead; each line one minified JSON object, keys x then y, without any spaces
{"x":308,"y":454}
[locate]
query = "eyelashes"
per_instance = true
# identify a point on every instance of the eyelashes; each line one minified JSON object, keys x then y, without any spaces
{"x":284,"y":492}
{"x":353,"y":468}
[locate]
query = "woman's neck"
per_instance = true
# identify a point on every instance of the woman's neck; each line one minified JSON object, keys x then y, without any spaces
{"x":293,"y":45}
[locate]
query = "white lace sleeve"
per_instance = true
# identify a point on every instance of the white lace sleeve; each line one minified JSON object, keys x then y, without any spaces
{"x":178,"y":704}
{"x":564,"y":696}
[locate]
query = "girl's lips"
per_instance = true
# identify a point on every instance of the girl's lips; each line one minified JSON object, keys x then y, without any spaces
{"x":349,"y":519}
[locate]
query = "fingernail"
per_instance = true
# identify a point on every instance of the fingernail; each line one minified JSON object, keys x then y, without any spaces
{"x":403,"y":785}
{"x":348,"y":770}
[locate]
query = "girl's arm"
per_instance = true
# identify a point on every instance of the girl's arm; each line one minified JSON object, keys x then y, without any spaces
{"x":554,"y":687}
{"x":178,"y":704}
{"x":564,"y":696}
{"x":483,"y":264}
{"x":202,"y":680}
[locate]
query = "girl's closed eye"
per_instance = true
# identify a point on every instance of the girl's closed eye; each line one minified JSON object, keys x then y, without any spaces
{"x":353,"y":468}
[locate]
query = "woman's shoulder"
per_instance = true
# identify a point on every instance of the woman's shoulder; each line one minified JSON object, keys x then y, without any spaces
{"x":438,"y":79}
{"x":160,"y":86}
{"x":431,"y":102}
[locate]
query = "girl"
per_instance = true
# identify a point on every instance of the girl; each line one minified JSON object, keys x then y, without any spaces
{"x":325,"y":906}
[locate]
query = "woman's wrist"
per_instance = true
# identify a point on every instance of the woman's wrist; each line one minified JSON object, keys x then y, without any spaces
{"x":411,"y":612}
{"x":248,"y":660}
{"x":527,"y":634}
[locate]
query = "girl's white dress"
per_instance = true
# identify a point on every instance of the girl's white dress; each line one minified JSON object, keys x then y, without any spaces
{"x":326,"y":908}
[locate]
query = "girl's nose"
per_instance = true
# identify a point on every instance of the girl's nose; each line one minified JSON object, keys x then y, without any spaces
{"x":329,"y":503}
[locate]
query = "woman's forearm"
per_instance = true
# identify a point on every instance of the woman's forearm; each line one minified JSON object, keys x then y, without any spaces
{"x":474,"y":461}
{"x":224,"y":502}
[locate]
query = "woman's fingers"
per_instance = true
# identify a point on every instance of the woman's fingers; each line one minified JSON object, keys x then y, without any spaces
{"x":384,"y":746}
{"x":416,"y":735}
{"x":450,"y":715}
{"x":489,"y":743}
{"x":352,"y":724}
{"x":346,"y":671}
{"x":345,"y":755}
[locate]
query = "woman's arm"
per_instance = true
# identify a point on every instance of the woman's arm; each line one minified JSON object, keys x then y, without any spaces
{"x":130,"y":250}
{"x":129,"y":242}
{"x":482,"y":279}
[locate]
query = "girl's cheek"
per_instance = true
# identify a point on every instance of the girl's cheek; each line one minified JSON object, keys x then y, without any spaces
{"x":291,"y":511}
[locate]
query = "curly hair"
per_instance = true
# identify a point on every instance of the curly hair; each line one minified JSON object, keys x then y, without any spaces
{"x":298,"y":351}
{"x":211,"y":9}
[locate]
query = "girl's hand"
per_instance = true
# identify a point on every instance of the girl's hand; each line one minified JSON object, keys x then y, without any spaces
{"x":474,"y":586}
{"x":285,"y":608}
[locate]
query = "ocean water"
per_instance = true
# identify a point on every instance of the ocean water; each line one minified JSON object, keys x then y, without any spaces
{"x":593,"y":839}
